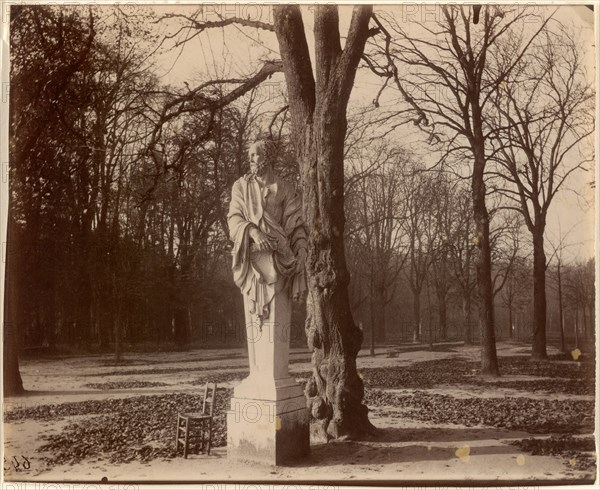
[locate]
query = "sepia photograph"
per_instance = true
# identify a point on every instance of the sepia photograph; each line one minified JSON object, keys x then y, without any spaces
{"x":314,"y":244}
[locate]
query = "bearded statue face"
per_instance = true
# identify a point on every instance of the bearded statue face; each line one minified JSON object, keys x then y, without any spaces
{"x":258,"y":159}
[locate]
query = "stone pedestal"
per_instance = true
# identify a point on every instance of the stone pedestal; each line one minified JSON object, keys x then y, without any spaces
{"x":269,"y":431}
{"x":268,"y":420}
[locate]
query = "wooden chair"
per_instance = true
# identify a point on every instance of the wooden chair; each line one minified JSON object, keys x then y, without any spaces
{"x":197,"y":427}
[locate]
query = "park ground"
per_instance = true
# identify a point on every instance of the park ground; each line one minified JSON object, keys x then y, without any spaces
{"x":86,"y":418}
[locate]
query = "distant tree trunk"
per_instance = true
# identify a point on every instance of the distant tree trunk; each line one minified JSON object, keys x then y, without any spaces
{"x":318,"y":114}
{"x":466,"y":310}
{"x":104,"y":330}
{"x":489,"y":361}
{"x":117,"y":335}
{"x":417,"y":316}
{"x":585,"y":323}
{"x":372,"y":312}
{"x":83,"y":298}
{"x":577,"y":327}
{"x":49,"y":327}
{"x":380,"y":312}
{"x":440,"y":282}
{"x":180,"y":320}
{"x":443,"y":316}
{"x":538,"y":350}
{"x":560,"y":309}
{"x":510,"y":322}
{"x":430,"y":333}
{"x":117,"y":319}
{"x":372,"y":348}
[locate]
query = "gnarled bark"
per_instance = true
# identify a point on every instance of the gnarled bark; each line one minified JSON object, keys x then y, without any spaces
{"x":318,"y":115}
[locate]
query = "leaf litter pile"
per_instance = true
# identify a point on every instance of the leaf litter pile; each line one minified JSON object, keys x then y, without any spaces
{"x":121,"y":429}
{"x":534,"y":416}
{"x":167,"y":370}
{"x":573,"y":378}
{"x":121,"y":385}
{"x":142,"y":428}
{"x":578,"y":451}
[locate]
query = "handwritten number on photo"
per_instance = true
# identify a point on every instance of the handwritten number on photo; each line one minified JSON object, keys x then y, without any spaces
{"x":25,"y":464}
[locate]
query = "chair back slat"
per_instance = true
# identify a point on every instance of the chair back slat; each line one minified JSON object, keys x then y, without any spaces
{"x":208,"y":403}
{"x":205,"y":397}
{"x":212,"y":399}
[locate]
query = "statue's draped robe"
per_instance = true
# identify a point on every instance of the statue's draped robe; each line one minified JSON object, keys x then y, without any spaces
{"x":280,"y":219}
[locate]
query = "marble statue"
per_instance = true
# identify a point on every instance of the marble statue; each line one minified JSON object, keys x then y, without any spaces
{"x":268,"y":419}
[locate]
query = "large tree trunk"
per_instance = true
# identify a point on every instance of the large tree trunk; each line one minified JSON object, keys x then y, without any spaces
{"x":489,"y":361}
{"x":13,"y":384}
{"x":318,"y":114}
{"x":335,"y":390}
{"x":538,"y":350}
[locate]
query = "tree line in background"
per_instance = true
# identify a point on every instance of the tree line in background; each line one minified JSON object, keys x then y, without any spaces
{"x":410,"y":248}
{"x":119,"y":190}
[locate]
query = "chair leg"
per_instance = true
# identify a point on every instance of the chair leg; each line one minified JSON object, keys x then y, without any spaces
{"x":202,"y":439}
{"x":187,"y":440}
{"x":177,"y":434}
{"x":209,"y":435}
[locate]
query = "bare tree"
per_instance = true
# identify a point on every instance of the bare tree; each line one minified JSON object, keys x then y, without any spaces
{"x":579,"y":296}
{"x":445,"y":233}
{"x":318,"y":116}
{"x":544,"y":117}
{"x":449,"y":89}
{"x":559,"y":246}
{"x":420,"y":228}
{"x":461,"y":257}
{"x":40,"y":82}
{"x":374,"y":210}
{"x":505,"y":238}
{"x":515,"y":294}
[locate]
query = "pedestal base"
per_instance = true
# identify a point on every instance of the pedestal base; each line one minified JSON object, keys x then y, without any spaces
{"x":273,"y":430}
